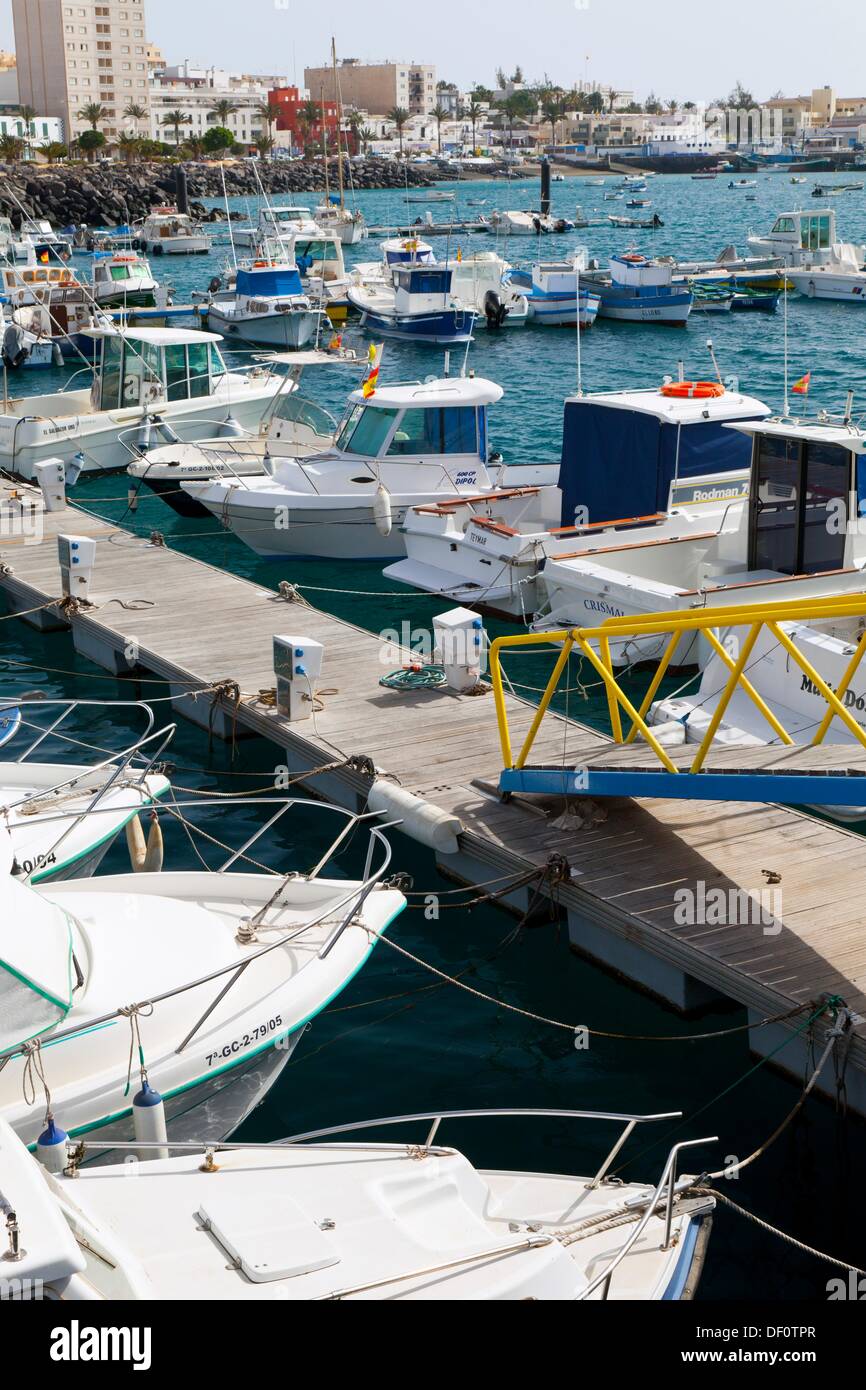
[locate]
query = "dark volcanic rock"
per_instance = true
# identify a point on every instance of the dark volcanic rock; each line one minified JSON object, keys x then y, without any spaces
{"x":109,"y":193}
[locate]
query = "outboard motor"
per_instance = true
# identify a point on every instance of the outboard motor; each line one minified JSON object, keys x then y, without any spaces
{"x":15,"y":350}
{"x":495,"y":311}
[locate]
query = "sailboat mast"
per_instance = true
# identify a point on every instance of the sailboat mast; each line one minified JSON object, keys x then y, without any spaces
{"x":339,"y":122}
{"x":325,"y":145}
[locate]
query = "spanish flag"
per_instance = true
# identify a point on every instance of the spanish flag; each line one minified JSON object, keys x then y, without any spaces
{"x":44,"y":258}
{"x":801,"y":387}
{"x":375,"y":359}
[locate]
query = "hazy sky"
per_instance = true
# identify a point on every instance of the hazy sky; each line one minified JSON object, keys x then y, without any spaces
{"x":686,"y":50}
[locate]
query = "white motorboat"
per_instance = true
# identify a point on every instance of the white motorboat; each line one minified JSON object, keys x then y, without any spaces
{"x":26,"y":340}
{"x":144,"y":378}
{"x":841,"y":276}
{"x":124,"y":280}
{"x":276,"y":222}
{"x":313,"y":1218}
{"x":400,"y":447}
{"x":228,"y":968}
{"x":630,"y":460}
{"x":419,"y":306}
{"x":484,"y":282}
{"x":522,"y":223}
{"x":167,"y":232}
{"x":47,"y":806}
{"x":396,"y":251}
{"x":289,"y":421}
{"x":796,"y":533}
{"x":14,"y":246}
{"x":268,"y":307}
{"x":349,"y":226}
{"x":805,"y":239}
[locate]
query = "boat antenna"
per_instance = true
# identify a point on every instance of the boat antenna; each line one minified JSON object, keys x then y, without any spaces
{"x":577,"y":321}
{"x":338,"y":99}
{"x":229,"y":216}
{"x":325,"y":145}
{"x":711,"y":350}
{"x":786,"y":408}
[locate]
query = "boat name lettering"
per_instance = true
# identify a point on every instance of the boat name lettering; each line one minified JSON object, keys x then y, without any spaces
{"x":851,"y":700}
{"x":596,"y":605}
{"x":476,"y":539}
{"x":466,"y":479}
{"x":42,"y":861}
{"x":248,"y":1040}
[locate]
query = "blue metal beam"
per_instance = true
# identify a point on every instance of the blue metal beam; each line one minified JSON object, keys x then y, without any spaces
{"x":790,"y":788}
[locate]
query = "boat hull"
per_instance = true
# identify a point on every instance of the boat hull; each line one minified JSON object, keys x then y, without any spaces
{"x":345,"y":533}
{"x":626,"y":306}
{"x":443,"y":327}
{"x":286,"y":331}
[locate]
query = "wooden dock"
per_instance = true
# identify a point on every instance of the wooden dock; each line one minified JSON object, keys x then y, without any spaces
{"x":197,"y":627}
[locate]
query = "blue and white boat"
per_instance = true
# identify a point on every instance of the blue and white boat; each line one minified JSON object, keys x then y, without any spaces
{"x":639,"y":290}
{"x":557,"y":294}
{"x":418,"y":306}
{"x":268,"y":306}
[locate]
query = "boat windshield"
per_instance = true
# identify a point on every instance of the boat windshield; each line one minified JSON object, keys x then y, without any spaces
{"x":436,"y":431}
{"x":365,"y":430}
{"x":815,"y":232}
{"x":315,"y":251}
{"x":298,"y":410}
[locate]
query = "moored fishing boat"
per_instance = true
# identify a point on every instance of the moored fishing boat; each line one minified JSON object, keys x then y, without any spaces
{"x":167,"y":232}
{"x":267,"y":305}
{"x":557,"y":295}
{"x":124,"y":280}
{"x":418,"y":306}
{"x":636,"y":289}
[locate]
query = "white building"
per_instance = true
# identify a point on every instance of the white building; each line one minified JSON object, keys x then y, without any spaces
{"x":44,"y":130}
{"x":197,"y":90}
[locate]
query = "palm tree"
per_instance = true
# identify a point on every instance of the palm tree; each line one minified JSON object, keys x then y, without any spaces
{"x":270,"y":112}
{"x":473,"y":111}
{"x":511,"y":108}
{"x":194,"y":147}
{"x":55,"y":150}
{"x":94,"y":113}
{"x":129,"y":146}
{"x":612,"y":98}
{"x":355,"y":122}
{"x":308,"y":117}
{"x":365,"y":135}
{"x":135,"y":112}
{"x":28,"y":116}
{"x":11,"y":149}
{"x":264,"y":145}
{"x":174,"y":120}
{"x":439,"y":114}
{"x":400,"y":117}
{"x":553,"y":109}
{"x":222,"y":110}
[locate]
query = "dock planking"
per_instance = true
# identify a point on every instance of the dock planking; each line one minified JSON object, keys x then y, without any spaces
{"x":195,"y":626}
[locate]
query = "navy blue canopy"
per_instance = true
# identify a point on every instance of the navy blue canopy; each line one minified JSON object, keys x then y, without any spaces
{"x":620,"y":463}
{"x":268,"y":283}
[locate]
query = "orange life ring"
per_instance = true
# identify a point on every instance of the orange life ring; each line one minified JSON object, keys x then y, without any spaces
{"x":693,"y":390}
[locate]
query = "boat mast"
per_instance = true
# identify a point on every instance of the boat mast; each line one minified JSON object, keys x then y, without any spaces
{"x":325,"y":144}
{"x":339,"y":122}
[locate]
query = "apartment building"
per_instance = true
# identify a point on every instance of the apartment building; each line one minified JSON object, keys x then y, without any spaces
{"x":72,"y":55}
{"x":376,"y":87}
{"x":199,"y":91}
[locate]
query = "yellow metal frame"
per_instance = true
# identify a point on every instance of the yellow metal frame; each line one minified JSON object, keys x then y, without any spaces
{"x":706,"y":622}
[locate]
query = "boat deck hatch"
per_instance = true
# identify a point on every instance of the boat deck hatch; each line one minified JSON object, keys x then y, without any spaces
{"x":268,"y":1237}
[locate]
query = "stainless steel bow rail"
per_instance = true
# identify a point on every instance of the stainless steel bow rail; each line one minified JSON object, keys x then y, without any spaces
{"x":353,"y":901}
{"x":662,"y":1198}
{"x":129,"y":768}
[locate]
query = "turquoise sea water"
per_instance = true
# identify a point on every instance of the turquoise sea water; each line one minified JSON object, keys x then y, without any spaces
{"x":397,"y":1041}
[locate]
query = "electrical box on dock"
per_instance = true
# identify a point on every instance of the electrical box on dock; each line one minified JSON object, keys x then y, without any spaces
{"x":461,"y":647}
{"x":77,"y":558}
{"x":297,"y":667}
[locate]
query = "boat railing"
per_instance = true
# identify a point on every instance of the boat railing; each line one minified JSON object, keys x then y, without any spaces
{"x":347,"y":909}
{"x":712,"y":624}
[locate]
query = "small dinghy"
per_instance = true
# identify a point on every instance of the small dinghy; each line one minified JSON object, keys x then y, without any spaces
{"x":210,"y":977}
{"x":314,"y":1219}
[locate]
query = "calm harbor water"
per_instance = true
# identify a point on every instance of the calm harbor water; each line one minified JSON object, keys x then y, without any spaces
{"x":397,"y":1040}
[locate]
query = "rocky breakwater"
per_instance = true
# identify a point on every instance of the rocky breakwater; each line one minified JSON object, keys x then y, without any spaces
{"x":105,"y":195}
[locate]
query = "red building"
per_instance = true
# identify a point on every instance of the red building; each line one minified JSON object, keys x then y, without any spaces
{"x":292,"y":117}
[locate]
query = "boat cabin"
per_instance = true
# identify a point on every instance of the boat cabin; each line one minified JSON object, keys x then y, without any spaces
{"x":37,"y":283}
{"x":808,"y":486}
{"x":119,"y":269}
{"x":421,"y":421}
{"x":419,"y":288}
{"x":794,"y":233}
{"x":635,"y":270}
{"x":641,"y":453}
{"x":143,"y":365}
{"x":321,"y":256}
{"x":407,"y":251}
{"x":268,"y":281}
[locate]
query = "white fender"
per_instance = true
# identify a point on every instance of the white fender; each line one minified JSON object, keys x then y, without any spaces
{"x":420,"y":821}
{"x":382,"y":511}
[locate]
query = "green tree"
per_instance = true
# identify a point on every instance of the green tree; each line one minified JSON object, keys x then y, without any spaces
{"x":741,"y":98}
{"x":595,"y":103}
{"x":612,"y":98}
{"x":264,"y":145}
{"x":365,"y":136}
{"x":135,"y":112}
{"x":129,"y":146}
{"x":482,"y":94}
{"x":355,"y":123}
{"x":399,"y":116}
{"x":218,"y":138}
{"x":512,"y":108}
{"x":28,"y":116}
{"x":652,"y":105}
{"x":270,"y":112}
{"x":553,"y":108}
{"x":173,"y":120}
{"x":439,"y":114}
{"x":194,"y":147}
{"x":54,"y":151}
{"x":90,"y":141}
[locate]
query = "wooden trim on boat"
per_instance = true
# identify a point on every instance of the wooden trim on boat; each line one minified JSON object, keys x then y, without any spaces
{"x":609,"y":525}
{"x":634,"y":545}
{"x":760,"y":583}
{"x":498,"y":526}
{"x":449,"y":507}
